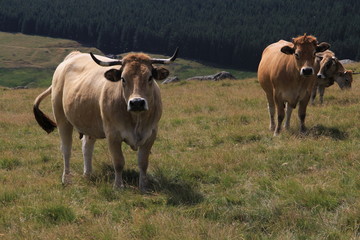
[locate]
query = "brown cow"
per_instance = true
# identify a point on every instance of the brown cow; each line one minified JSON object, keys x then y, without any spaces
{"x":287,"y":75}
{"x":330,"y":71}
{"x":121,"y":104}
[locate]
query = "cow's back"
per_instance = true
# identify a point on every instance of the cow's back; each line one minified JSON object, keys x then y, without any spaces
{"x":274,"y":65}
{"x":77,"y":85}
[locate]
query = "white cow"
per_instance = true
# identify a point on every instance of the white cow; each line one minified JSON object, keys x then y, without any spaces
{"x":120,"y":104}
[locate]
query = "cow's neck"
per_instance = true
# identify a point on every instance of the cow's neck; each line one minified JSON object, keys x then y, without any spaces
{"x":140,"y":128}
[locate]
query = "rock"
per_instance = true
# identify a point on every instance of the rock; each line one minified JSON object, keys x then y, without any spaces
{"x":346,"y":61}
{"x":20,"y":87}
{"x":171,"y":80}
{"x":216,"y":77}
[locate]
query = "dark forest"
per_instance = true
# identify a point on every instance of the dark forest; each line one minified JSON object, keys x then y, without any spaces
{"x":229,"y":33}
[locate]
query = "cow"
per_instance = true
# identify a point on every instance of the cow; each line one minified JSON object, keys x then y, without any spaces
{"x":287,"y":75}
{"x":100,"y":101}
{"x":330,"y":71}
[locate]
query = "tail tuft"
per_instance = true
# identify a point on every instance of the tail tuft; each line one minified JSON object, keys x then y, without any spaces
{"x":44,"y":121}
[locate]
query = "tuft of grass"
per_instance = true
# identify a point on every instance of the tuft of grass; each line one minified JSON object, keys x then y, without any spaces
{"x":8,"y":197}
{"x":9,"y":163}
{"x":56,"y":214}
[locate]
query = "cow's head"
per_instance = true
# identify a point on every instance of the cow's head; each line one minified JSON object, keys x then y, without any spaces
{"x":137,"y":75}
{"x":327,"y":63}
{"x":344,"y":79}
{"x":304,"y":49}
{"x":330,"y":68}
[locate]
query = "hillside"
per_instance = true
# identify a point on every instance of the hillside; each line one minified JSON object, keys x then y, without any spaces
{"x":27,"y":59}
{"x":231,"y":33}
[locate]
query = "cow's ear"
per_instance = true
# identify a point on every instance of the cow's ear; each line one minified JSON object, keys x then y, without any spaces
{"x":113,"y":75}
{"x":160,"y":73}
{"x":288,"y":50}
{"x":322,"y":47}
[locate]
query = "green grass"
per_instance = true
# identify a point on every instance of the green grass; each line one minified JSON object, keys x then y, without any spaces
{"x":30,"y":77}
{"x":27,"y":60}
{"x":215,"y":170}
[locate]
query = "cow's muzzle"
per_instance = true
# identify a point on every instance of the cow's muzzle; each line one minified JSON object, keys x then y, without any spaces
{"x":321,"y":76}
{"x":137,"y":105}
{"x":306,"y":71}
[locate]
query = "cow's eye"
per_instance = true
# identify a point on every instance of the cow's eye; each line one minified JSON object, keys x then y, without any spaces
{"x":123,"y":80}
{"x":297,"y":55}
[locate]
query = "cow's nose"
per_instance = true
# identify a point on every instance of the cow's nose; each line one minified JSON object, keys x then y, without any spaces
{"x":307,"y":71}
{"x":137,"y":104}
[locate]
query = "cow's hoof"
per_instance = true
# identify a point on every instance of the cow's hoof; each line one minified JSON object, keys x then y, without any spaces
{"x":303,"y":129}
{"x":87,"y":175}
{"x":66,"y":179}
{"x":119,"y":187}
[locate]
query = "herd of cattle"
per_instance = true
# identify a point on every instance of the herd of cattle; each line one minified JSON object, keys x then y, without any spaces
{"x":124,"y":104}
{"x":292,"y":72}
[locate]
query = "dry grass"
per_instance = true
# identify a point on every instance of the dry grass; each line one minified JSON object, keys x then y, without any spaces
{"x":216,"y":170}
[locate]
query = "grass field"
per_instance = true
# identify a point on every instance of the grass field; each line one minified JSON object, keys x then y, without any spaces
{"x":216,"y":172}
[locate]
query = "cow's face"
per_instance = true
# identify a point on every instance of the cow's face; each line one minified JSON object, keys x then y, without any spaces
{"x":137,"y":76}
{"x":304,"y":49}
{"x":328,"y":65}
{"x":344,"y":79}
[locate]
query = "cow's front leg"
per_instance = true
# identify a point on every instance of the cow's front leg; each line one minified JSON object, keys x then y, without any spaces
{"x":321,"y":93}
{"x":289,"y":110}
{"x":313,"y":93}
{"x":143,"y":162}
{"x":302,"y":113}
{"x":118,"y":160}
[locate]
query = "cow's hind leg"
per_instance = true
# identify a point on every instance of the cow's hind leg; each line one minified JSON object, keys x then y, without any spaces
{"x":271,"y":109}
{"x":280,"y":107}
{"x":65,"y":130}
{"x":88,"y":144}
{"x":143,"y":162}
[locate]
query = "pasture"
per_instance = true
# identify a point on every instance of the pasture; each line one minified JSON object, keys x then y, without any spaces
{"x":216,"y":172}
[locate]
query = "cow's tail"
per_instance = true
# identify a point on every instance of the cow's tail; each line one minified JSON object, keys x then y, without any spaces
{"x":44,"y":121}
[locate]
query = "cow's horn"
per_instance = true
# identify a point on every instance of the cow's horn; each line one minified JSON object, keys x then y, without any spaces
{"x":105,"y":64}
{"x":356,"y":73}
{"x":164,"y":61}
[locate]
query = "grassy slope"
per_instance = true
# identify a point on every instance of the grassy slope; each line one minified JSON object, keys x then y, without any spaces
{"x":217,"y":172}
{"x":38,"y":57}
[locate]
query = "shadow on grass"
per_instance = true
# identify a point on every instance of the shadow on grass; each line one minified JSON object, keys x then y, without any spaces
{"x":320,"y":130}
{"x":178,"y":190}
